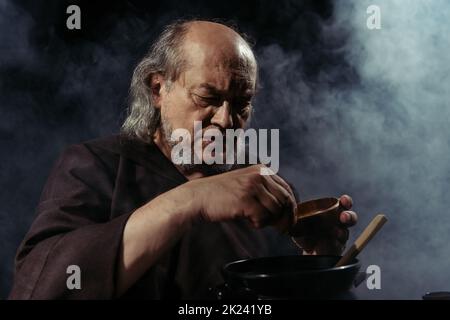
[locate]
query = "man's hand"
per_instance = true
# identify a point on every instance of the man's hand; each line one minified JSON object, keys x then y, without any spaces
{"x":243,"y":193}
{"x":320,"y":239}
{"x":265,"y":200}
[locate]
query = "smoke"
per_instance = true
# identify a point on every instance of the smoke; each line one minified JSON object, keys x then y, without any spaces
{"x":380,"y":134}
{"x":363,"y":112}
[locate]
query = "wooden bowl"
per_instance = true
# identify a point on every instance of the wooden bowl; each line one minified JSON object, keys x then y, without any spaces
{"x":321,"y":211}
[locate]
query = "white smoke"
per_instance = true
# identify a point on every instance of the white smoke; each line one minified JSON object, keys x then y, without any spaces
{"x":384,"y":139}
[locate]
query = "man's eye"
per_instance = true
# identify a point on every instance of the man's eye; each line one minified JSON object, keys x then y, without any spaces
{"x":207,"y":100}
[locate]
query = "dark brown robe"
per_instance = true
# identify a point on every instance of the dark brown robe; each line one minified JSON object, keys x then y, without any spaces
{"x":92,"y":190}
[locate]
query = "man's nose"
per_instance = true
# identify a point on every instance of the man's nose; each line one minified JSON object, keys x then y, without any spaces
{"x":223,"y":116}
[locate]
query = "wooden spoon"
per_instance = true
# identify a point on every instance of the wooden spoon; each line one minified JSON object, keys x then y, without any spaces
{"x":368,"y":233}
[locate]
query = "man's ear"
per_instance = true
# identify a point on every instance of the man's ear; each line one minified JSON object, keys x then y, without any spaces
{"x":156,"y":86}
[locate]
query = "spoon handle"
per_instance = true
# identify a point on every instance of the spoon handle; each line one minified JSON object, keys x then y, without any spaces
{"x":368,"y":233}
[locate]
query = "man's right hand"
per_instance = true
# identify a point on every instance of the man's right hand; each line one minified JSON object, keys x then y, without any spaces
{"x":153,"y":228}
{"x":243,"y":193}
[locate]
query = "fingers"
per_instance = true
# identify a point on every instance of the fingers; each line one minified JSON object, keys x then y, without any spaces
{"x":283,"y":183}
{"x":269,"y":201}
{"x":281,"y":190}
{"x":278,"y":180}
{"x":276,"y":196}
{"x":278,"y":201}
{"x":348,"y":218}
{"x":283,"y":193}
{"x":346,"y":202}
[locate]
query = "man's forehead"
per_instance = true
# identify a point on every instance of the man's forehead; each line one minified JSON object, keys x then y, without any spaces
{"x":217,"y":58}
{"x":218,"y":79}
{"x":216,"y":46}
{"x":210,"y":32}
{"x":213,"y":53}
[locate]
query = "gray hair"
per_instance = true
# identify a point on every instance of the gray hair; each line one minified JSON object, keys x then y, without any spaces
{"x":165,"y":58}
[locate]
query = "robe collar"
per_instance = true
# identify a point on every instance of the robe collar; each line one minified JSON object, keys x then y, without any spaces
{"x":151,"y":157}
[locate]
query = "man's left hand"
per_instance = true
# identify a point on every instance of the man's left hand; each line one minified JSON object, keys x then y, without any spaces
{"x":329,"y":239}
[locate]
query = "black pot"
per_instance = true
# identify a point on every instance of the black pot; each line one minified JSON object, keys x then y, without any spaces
{"x":309,"y":277}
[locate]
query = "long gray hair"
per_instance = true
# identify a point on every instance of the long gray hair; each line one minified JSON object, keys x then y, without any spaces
{"x":165,"y":58}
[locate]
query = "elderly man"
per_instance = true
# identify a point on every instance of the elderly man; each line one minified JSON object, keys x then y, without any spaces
{"x":136,"y":225}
